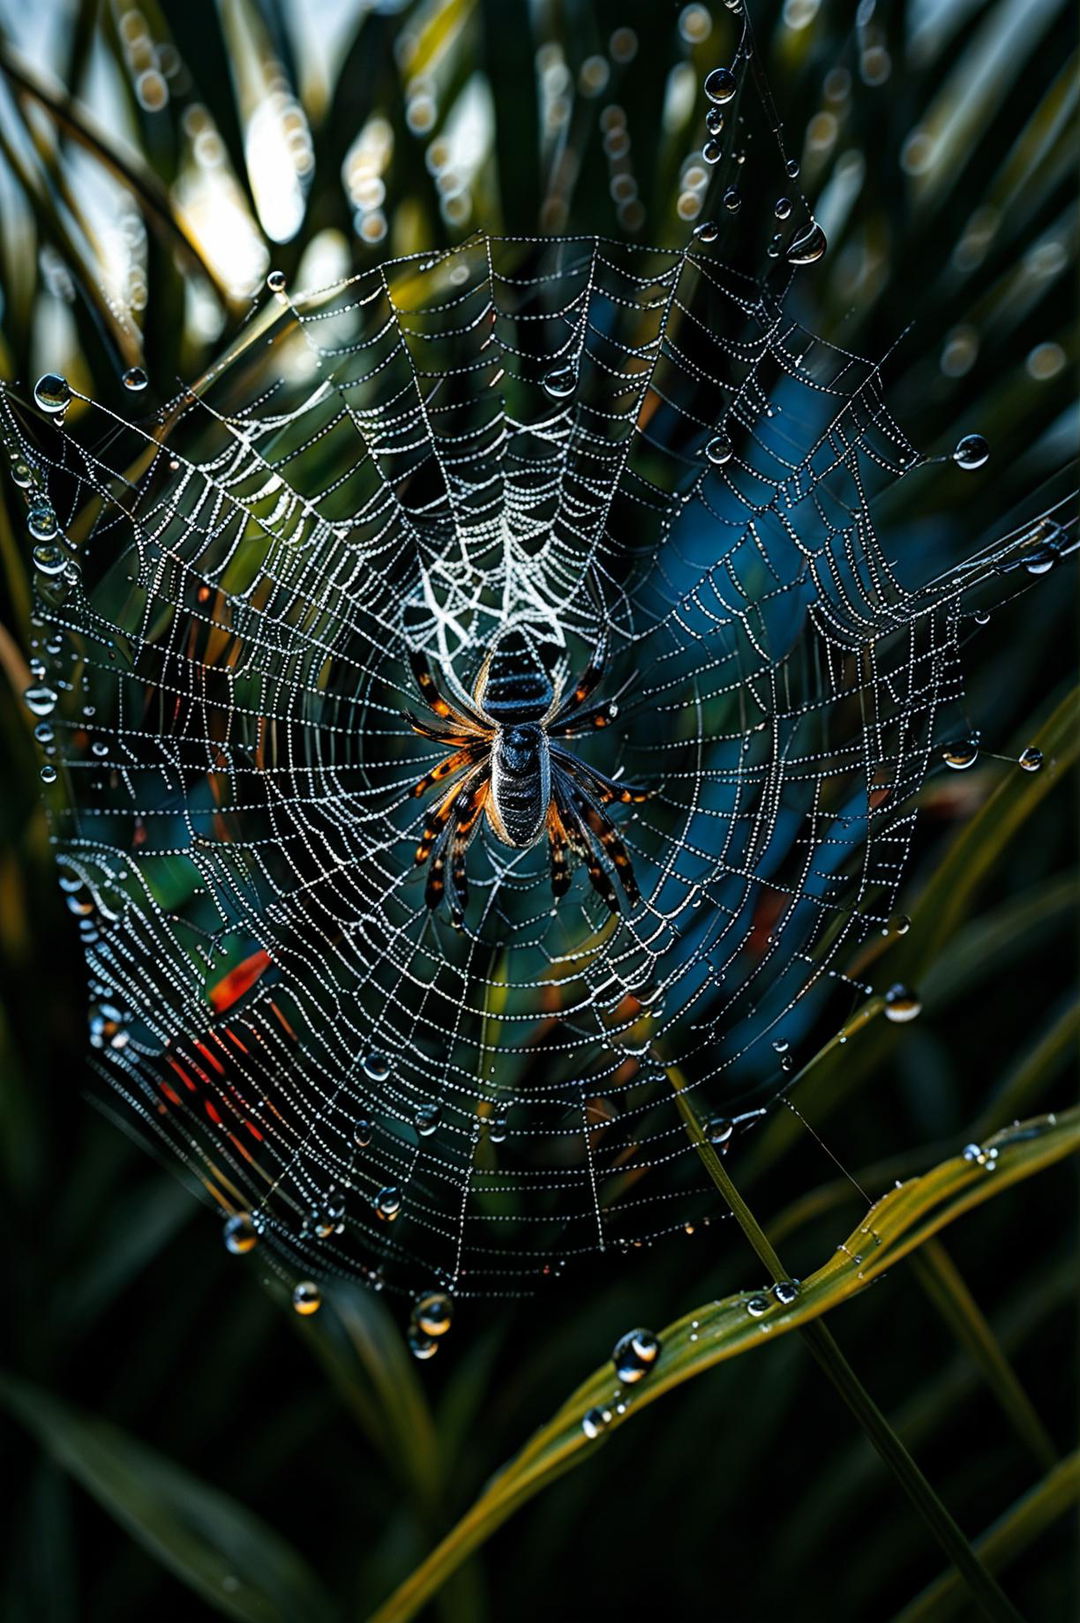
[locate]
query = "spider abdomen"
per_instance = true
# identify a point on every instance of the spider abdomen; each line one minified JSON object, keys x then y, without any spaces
{"x":520,"y":784}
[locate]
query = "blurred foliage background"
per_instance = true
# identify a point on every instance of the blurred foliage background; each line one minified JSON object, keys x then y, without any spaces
{"x":155,"y":161}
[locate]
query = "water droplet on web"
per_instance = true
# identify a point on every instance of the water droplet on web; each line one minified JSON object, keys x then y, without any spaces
{"x":22,"y":475}
{"x":792,"y":168}
{"x":48,"y":773}
{"x":376,"y":1065}
{"x":388,"y":1202}
{"x":714,"y":121}
{"x":135,"y":379}
{"x":106,"y":1026}
{"x":44,"y":733}
{"x":731,"y":200}
{"x":1041,"y":560}
{"x":40,"y":700}
{"x":899,"y":924}
{"x":960,"y":753}
{"x":782,"y":208}
{"x":362,"y":1131}
{"x":42,"y":522}
{"x":240,"y":1234}
{"x":427,"y":1119}
{"x":276,"y":282}
{"x":707,"y":231}
{"x":328,"y":1218}
{"x":712,"y":152}
{"x":497,"y":1129}
{"x":757,"y":1305}
{"x":786,"y":1291}
{"x":634,"y":1355}
{"x":971,"y":452}
{"x":721,"y":85}
{"x":781,"y":1045}
{"x":594,"y":1421}
{"x":50,"y":560}
{"x":719,"y":450}
{"x":421,"y":1346}
{"x":808,"y":247}
{"x":52,"y":393}
{"x":434,"y":1313}
{"x":306,"y":1298}
{"x":901,"y":1004}
{"x":1031,"y":759}
{"x":560,"y":382}
{"x":718,"y":1131}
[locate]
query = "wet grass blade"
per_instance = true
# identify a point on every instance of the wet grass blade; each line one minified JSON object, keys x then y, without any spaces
{"x":1009,"y":1537}
{"x":223,"y":1552}
{"x":902,"y":1220}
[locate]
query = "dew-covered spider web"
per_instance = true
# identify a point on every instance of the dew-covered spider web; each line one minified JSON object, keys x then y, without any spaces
{"x":594,"y":443}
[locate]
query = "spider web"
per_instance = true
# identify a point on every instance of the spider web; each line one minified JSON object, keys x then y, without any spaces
{"x":593,"y":442}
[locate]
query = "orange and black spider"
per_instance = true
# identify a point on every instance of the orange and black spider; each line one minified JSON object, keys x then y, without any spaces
{"x":502,"y":761}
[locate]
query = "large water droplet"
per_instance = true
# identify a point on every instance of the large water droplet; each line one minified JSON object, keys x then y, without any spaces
{"x":782,"y":208}
{"x":721,"y":85}
{"x":362,"y":1133}
{"x":52,"y":393}
{"x":434,"y":1313}
{"x":276,"y":282}
{"x":707,"y":231}
{"x":594,"y":1421}
{"x":808,"y":247}
{"x":901,"y":1004}
{"x":306,"y":1298}
{"x":50,"y":560}
{"x":634,"y":1355}
{"x":388,"y":1202}
{"x":497,"y":1128}
{"x":960,"y":753}
{"x":757,"y":1305}
{"x":240,"y":1234}
{"x":40,"y":700}
{"x":42,"y":522}
{"x":719,"y":450}
{"x":786,"y":1291}
{"x":731,"y":200}
{"x":376,"y":1065}
{"x":712,"y":152}
{"x":427,"y":1119}
{"x":135,"y":379}
{"x":22,"y":475}
{"x":47,"y":773}
{"x":971,"y":452}
{"x":714,"y":121}
{"x":560,"y":382}
{"x":1031,"y":759}
{"x":718,"y":1131}
{"x":421,"y":1346}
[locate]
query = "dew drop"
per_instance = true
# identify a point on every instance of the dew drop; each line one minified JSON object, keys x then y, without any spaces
{"x":714,"y":121}
{"x":52,"y":393}
{"x":901,"y":1004}
{"x":42,"y":522}
{"x":781,"y":1045}
{"x":44,"y":733}
{"x":240,"y":1234}
{"x":634,"y":1355}
{"x":960,"y":754}
{"x":40,"y":700}
{"x":712,"y":152}
{"x":719,"y":450}
{"x":594,"y":1421}
{"x":707,"y":231}
{"x":306,"y":1298}
{"x":561,"y":382}
{"x":388,"y":1202}
{"x":899,"y":924}
{"x":757,"y":1305}
{"x":782,"y":208}
{"x":1031,"y":759}
{"x":50,"y":560}
{"x":721,"y":85}
{"x":22,"y":475}
{"x":376,"y":1065}
{"x":48,"y":773}
{"x":731,"y":200}
{"x":808,"y":247}
{"x":971,"y":452}
{"x":1041,"y":560}
{"x":427,"y":1119}
{"x":362,"y":1132}
{"x":792,"y":168}
{"x":434,"y":1313}
{"x":786,"y":1291}
{"x":718,"y":1131}
{"x":421,"y":1346}
{"x":276,"y":282}
{"x":497,"y":1129}
{"x":135,"y":379}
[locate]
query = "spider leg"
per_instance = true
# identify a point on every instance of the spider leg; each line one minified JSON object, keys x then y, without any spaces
{"x":603,"y":788}
{"x":440,"y":735}
{"x":558,"y":842}
{"x":432,"y":694}
{"x":571,"y":806}
{"x":439,"y":816}
{"x":584,"y":685}
{"x":451,"y":764}
{"x":609,"y":839}
{"x":584,"y":721}
{"x":471,"y":805}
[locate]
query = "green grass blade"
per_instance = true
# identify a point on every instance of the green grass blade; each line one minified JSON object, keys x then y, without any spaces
{"x":902,"y":1220}
{"x":223,"y":1552}
{"x":946,"y":1288}
{"x":1009,"y":1537}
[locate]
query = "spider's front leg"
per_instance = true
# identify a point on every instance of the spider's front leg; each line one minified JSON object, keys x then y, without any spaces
{"x":462,"y":819}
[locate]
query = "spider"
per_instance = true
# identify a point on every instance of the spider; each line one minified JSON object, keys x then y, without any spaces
{"x":504,"y":762}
